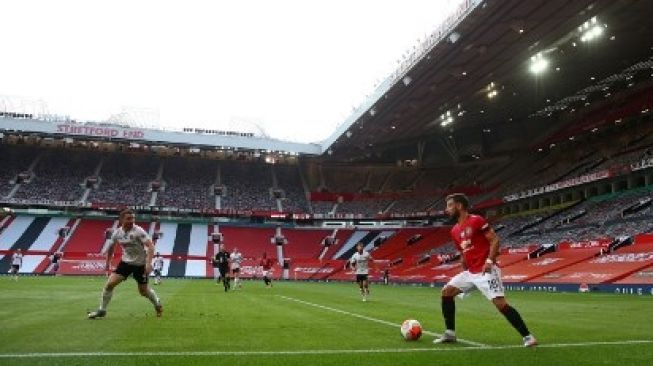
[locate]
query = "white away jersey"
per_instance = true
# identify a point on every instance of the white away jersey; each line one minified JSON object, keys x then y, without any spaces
{"x":236,"y":259}
{"x":361,"y":261}
{"x":158,"y":264}
{"x":132,"y":242}
{"x":17,"y":259}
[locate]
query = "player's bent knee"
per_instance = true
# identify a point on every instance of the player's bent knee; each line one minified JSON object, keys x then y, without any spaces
{"x":449,"y":291}
{"x":501,"y":304}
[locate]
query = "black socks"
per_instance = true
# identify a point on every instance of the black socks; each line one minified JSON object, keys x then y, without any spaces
{"x":449,"y":312}
{"x":515,"y":320}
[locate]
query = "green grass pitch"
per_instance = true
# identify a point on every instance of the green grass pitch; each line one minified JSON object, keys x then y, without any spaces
{"x":43,"y":322}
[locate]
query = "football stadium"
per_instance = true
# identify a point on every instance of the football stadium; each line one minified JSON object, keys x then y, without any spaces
{"x":490,"y":202}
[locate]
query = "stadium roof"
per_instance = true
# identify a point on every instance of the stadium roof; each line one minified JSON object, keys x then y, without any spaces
{"x":27,"y":125}
{"x":475,"y":93}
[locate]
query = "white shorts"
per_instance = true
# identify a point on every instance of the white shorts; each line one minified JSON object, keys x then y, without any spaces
{"x":488,"y":283}
{"x":267,"y":274}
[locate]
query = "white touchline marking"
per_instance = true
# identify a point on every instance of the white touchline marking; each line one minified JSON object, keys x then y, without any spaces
{"x":317,"y":352}
{"x":380,"y":321}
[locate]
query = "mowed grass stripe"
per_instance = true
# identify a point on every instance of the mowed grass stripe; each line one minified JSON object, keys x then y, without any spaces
{"x":375,"y":320}
{"x":320,"y":352}
{"x":44,"y":315}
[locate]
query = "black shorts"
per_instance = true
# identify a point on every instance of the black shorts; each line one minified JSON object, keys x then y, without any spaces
{"x":157,"y":272}
{"x":235,"y":270}
{"x":138,"y":272}
{"x":361,"y":277}
{"x":15,"y":268}
{"x":224,"y":271}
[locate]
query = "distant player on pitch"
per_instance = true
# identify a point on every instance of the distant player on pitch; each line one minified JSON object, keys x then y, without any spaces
{"x":236,"y":260}
{"x":479,"y":248}
{"x":360,"y":261}
{"x":137,"y":251}
{"x":157,"y":265}
{"x":266,"y":266}
{"x":55,"y":259}
{"x":221,"y":260}
{"x":16,"y":263}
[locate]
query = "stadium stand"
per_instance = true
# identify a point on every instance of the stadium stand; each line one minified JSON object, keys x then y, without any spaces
{"x":294,"y":195}
{"x":59,"y":177}
{"x":188,"y":183}
{"x":604,"y":268}
{"x":125,"y":179}
{"x":14,"y":160}
{"x":88,"y":237}
{"x":248,"y":186}
{"x":527,"y":270}
{"x":304,"y":243}
{"x":562,"y":176}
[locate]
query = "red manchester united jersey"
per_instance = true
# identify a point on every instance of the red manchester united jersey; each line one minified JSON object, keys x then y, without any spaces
{"x":267,"y":263}
{"x":471,"y":241}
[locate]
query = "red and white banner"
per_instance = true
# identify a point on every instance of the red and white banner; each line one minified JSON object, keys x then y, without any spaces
{"x":82,"y":267}
{"x":600,"y":243}
{"x":524,"y":249}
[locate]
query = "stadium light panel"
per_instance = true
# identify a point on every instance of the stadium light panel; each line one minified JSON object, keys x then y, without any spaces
{"x":446,"y":119}
{"x":591,"y":30}
{"x":539,"y":64}
{"x":454,"y":37}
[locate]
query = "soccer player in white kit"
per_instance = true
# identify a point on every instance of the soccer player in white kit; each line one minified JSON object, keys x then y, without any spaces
{"x":158,"y":268}
{"x":236,"y":260}
{"x":137,"y":248}
{"x":16,"y":263}
{"x":361,"y":262}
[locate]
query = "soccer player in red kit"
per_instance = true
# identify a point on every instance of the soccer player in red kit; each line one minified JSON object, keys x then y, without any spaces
{"x":267,"y":263}
{"x":479,"y":248}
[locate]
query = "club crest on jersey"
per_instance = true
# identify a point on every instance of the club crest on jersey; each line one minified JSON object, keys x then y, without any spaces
{"x":466,"y":239}
{"x":466,"y":233}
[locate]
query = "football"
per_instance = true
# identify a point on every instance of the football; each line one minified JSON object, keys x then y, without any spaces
{"x":411,"y":330}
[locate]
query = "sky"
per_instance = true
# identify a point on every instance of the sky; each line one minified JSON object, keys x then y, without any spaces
{"x":293,"y":68}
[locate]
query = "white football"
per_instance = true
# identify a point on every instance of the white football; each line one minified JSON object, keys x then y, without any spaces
{"x":411,"y":330}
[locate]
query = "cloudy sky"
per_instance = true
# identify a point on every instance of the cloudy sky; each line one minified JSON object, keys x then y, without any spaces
{"x":293,"y":68}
